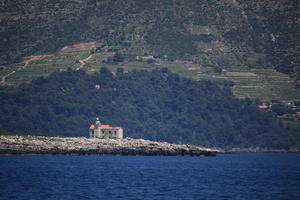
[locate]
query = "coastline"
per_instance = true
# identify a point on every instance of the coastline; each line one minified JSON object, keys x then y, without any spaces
{"x":261,"y":150}
{"x":40,"y":145}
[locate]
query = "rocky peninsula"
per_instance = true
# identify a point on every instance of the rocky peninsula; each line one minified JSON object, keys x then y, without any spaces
{"x":40,"y":145}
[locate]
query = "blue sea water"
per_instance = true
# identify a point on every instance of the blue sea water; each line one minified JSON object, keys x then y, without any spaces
{"x":229,"y":176}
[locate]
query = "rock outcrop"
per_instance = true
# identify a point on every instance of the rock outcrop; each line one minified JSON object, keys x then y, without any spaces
{"x":10,"y":145}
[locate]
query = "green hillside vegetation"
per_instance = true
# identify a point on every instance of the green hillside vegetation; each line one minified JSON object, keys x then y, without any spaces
{"x":211,"y":33}
{"x":265,"y":84}
{"x":157,"y":105}
{"x":193,"y":38}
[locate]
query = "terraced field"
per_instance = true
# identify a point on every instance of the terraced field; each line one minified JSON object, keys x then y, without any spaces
{"x":46,"y":66}
{"x":265,"y":84}
{"x":41,"y":65}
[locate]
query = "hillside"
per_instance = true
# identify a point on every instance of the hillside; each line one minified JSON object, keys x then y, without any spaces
{"x":211,"y":33}
{"x":157,"y":105}
{"x":265,"y":84}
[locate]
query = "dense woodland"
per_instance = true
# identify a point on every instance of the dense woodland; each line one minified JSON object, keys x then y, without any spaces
{"x":157,"y":105}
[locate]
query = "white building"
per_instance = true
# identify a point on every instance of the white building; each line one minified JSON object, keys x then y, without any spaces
{"x":98,"y":130}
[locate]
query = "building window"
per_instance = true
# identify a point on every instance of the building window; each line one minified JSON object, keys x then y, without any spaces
{"x":109,"y":131}
{"x":115,"y":132}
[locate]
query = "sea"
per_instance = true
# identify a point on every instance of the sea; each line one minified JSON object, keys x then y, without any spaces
{"x":247,"y":176}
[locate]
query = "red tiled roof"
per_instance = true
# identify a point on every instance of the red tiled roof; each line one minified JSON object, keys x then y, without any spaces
{"x":262,"y":106}
{"x":92,"y":126}
{"x":109,"y":127}
{"x":105,"y":127}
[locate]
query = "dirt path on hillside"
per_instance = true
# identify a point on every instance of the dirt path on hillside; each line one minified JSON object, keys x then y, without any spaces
{"x":29,"y":59}
{"x":25,"y":63}
{"x":67,"y":49}
{"x":3,"y":79}
{"x":79,"y":47}
{"x":82,"y":62}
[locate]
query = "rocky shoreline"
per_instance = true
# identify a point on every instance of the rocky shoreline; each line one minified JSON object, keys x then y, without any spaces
{"x":40,"y":145}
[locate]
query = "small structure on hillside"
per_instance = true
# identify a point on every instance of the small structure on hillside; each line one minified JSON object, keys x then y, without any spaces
{"x":263,"y":106}
{"x":98,"y":130}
